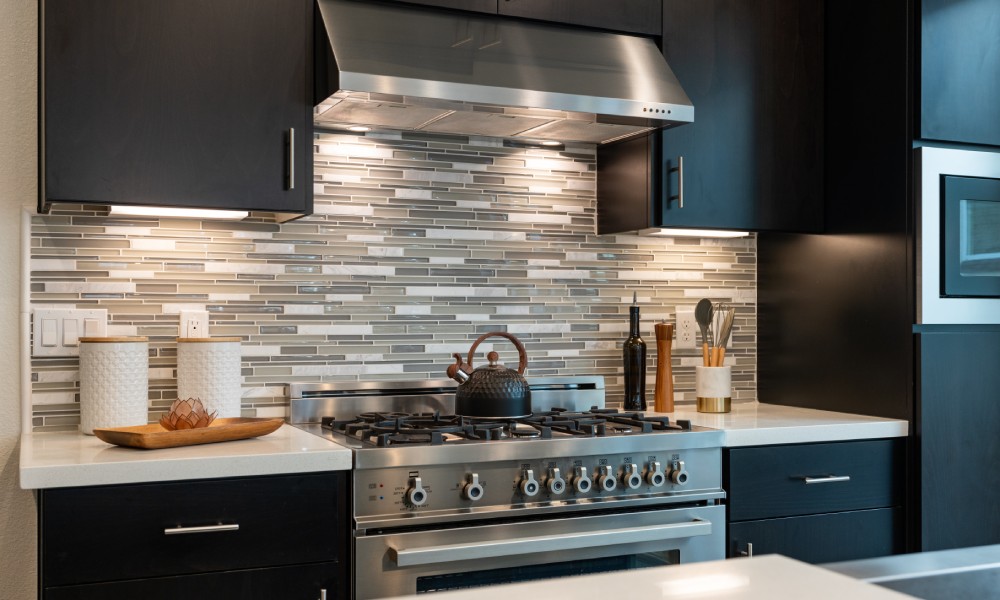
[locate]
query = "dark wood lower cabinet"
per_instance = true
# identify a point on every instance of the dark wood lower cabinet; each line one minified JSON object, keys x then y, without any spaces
{"x":303,"y":582}
{"x":822,"y":538}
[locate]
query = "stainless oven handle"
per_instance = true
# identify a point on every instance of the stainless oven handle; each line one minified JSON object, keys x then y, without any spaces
{"x":408,"y":557}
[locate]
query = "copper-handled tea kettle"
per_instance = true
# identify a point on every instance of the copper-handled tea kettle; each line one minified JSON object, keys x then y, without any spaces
{"x":493,"y":391}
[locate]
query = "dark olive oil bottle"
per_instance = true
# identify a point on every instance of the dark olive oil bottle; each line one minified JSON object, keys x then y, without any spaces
{"x":634,"y":359}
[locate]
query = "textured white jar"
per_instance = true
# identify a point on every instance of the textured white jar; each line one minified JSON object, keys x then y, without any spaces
{"x":114,"y":382}
{"x":209,"y":369}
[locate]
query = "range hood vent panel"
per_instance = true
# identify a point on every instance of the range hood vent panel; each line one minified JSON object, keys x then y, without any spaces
{"x":483,"y":64}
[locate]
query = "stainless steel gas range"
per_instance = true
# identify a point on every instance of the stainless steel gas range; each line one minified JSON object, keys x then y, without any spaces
{"x":444,"y":502}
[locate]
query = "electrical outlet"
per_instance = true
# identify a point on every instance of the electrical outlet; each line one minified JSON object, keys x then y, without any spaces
{"x":193,"y":324}
{"x":687,"y":329}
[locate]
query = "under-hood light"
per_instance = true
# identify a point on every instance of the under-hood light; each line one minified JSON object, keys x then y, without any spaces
{"x":178,"y":213}
{"x":704,"y":233}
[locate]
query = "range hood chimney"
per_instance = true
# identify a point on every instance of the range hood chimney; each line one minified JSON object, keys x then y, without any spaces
{"x":416,"y":69}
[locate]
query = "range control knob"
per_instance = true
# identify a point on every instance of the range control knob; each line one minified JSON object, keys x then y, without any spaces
{"x":655,"y":476}
{"x":606,"y":480}
{"x":554,"y":482}
{"x":416,"y":495}
{"x":529,"y":485}
{"x":631,"y":478}
{"x":581,"y":480}
{"x":678,"y":475}
{"x":472,"y":490}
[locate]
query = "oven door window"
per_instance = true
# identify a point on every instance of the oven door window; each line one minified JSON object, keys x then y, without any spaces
{"x":971,"y":237}
{"x":474,"y":579}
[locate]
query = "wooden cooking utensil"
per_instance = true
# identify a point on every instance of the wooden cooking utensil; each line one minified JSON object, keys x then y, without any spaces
{"x":703,"y":312}
{"x":664,"y":391}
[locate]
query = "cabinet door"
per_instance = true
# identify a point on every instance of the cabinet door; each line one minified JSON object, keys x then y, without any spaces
{"x":178,"y":103}
{"x":633,"y":16}
{"x":304,"y":582}
{"x":960,"y":71}
{"x":754,"y":72}
{"x":959,"y":412}
{"x":822,"y":538}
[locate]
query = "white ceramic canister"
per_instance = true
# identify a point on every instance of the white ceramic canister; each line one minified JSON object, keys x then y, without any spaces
{"x":209,"y":369}
{"x":714,"y":389}
{"x":114,"y":382}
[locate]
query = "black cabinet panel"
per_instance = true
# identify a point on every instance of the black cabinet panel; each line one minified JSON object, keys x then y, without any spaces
{"x":960,"y":71}
{"x":958,"y":407}
{"x":175,"y":103}
{"x":106,"y":533}
{"x":287,"y":583}
{"x":771,"y":481}
{"x":634,"y":16}
{"x":822,"y":538}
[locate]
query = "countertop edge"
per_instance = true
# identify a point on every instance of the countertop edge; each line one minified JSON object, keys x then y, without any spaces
{"x":806,"y":434}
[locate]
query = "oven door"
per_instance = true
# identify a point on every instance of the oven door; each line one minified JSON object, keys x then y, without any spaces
{"x":412,"y":562}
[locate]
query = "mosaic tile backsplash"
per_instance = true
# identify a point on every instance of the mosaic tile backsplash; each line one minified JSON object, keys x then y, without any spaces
{"x":418,"y":245}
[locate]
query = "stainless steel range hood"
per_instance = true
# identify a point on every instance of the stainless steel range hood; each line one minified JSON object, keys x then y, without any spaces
{"x":406,"y":68}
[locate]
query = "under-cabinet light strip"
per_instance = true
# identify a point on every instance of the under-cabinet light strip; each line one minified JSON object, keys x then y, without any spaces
{"x":180,"y":213}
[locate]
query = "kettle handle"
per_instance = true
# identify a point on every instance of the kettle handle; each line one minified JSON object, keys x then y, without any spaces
{"x":521,"y":365}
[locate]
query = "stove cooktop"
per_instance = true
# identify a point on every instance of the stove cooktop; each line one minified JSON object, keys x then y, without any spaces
{"x":396,"y":429}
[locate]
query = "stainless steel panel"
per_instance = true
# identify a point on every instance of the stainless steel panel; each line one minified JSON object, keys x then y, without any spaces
{"x":484,"y":61}
{"x":377,"y":575}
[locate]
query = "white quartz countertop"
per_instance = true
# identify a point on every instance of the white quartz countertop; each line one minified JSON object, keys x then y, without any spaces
{"x":50,"y":460}
{"x":757,"y":424}
{"x":771,"y":577}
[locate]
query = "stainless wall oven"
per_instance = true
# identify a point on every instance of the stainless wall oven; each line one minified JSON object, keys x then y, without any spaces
{"x":958,"y":236}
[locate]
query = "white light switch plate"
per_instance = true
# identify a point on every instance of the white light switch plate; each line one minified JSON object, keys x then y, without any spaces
{"x":56,"y":331}
{"x":687,"y":329}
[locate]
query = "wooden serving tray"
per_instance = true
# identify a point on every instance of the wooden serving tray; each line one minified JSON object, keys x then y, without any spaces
{"x":150,"y":437}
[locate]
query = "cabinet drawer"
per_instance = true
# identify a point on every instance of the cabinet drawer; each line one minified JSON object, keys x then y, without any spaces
{"x":123,"y":532}
{"x":786,"y":481}
{"x":822,"y":538}
{"x":302,"y":582}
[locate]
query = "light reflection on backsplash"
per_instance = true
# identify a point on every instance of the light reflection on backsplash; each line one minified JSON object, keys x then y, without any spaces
{"x":419,"y":244}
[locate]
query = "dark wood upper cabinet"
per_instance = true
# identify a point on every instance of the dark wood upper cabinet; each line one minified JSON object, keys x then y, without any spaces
{"x":960,"y":71}
{"x":643,"y":17}
{"x":174,"y":103}
{"x":753,"y":158}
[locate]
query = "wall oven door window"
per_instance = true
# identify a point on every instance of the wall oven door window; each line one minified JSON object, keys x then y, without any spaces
{"x":466,"y":556}
{"x":971,"y":248}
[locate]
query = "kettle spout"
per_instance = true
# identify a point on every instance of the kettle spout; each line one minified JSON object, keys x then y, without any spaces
{"x":459,"y":371}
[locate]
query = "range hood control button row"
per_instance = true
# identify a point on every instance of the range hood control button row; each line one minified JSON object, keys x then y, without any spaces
{"x":606,"y":480}
{"x":678,"y":475}
{"x":630,"y":477}
{"x":529,"y":485}
{"x":581,"y":480}
{"x":416,"y":495}
{"x":472,"y":490}
{"x":655,"y":476}
{"x":554,"y":482}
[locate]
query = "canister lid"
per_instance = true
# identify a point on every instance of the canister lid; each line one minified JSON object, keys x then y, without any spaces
{"x":113,"y":340}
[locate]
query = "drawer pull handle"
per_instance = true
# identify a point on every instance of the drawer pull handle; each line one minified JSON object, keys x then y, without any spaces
{"x":202,"y":529}
{"x":827,"y":479}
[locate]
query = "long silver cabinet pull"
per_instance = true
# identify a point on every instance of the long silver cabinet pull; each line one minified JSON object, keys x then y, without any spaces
{"x":827,"y":479}
{"x":679,"y":169}
{"x":408,"y":557}
{"x":291,"y":158}
{"x":201,"y":529}
{"x":322,"y":595}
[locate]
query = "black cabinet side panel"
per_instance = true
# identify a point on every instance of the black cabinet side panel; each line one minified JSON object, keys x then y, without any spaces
{"x":626,"y":184}
{"x":960,"y":71}
{"x":836,"y":311}
{"x":959,"y":417}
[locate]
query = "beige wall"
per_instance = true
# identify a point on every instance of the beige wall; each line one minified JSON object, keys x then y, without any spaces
{"x":18,"y":41}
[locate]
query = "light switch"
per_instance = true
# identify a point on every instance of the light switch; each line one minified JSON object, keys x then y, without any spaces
{"x":71,"y":335}
{"x":92,"y":328}
{"x":50,"y":332}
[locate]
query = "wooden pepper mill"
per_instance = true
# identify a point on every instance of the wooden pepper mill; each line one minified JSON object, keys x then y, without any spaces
{"x":664,"y":392}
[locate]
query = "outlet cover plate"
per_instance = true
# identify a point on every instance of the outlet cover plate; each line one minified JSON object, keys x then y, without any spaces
{"x":193,"y":324}
{"x":687,"y":329}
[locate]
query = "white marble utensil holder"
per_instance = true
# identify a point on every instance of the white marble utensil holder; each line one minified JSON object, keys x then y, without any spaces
{"x":714,"y":389}
{"x":209,"y":369}
{"x":114,"y":382}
